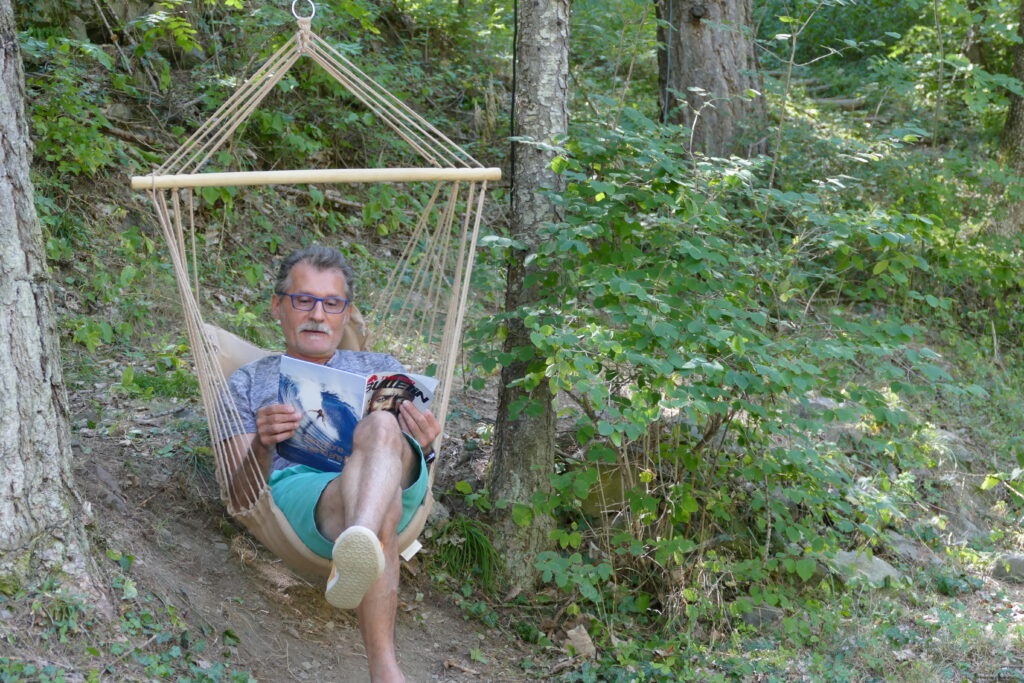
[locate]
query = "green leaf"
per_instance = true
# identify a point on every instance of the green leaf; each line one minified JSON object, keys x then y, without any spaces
{"x":805,"y":568}
{"x":522,"y":515}
{"x":990,"y":482}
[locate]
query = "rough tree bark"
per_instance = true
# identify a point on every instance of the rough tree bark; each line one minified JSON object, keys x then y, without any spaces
{"x":709,"y":45}
{"x":524,"y":443}
{"x":1013,"y":131}
{"x":40,"y":535}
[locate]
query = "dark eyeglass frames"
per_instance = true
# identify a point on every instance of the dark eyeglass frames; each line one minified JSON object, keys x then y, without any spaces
{"x":305,"y":302}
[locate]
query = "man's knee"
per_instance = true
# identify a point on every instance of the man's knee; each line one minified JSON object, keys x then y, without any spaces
{"x":381,"y":430}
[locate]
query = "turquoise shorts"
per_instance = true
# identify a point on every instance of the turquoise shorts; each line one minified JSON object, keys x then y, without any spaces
{"x":297,"y":490}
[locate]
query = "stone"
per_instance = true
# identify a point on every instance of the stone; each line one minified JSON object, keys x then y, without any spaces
{"x":950,"y":450}
{"x":76,"y":25}
{"x":580,"y":643}
{"x":762,"y":616}
{"x":121,"y":111}
{"x":910,"y":550}
{"x":859,"y":566}
{"x":1009,"y":568}
{"x":438,"y":514}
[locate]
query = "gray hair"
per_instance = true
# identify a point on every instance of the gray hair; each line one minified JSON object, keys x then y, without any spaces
{"x":321,"y":258}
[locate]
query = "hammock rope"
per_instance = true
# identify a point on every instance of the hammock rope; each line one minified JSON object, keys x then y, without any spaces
{"x":426,"y":256}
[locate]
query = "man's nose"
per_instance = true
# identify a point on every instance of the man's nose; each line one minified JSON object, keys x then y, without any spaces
{"x":318,"y":312}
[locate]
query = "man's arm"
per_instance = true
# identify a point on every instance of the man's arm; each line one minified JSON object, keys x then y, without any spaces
{"x":254,"y":452}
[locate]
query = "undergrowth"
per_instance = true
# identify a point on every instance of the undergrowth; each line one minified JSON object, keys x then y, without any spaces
{"x":146,"y":639}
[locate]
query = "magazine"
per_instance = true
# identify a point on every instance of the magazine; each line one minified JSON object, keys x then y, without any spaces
{"x":333,"y":401}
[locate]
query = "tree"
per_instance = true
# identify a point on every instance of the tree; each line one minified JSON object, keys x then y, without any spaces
{"x":1013,"y":129}
{"x":39,"y":532}
{"x":707,"y":72}
{"x":525,"y":427}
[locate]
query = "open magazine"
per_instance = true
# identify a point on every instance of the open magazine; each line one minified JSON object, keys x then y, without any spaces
{"x":333,"y":401}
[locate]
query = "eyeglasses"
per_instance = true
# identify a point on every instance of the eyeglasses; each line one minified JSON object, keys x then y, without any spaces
{"x":307,"y":302}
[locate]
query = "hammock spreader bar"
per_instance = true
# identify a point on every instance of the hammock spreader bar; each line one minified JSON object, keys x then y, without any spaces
{"x":327,"y":175}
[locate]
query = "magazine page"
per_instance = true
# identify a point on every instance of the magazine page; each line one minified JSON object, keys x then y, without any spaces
{"x":330,"y":402}
{"x":388,"y":390}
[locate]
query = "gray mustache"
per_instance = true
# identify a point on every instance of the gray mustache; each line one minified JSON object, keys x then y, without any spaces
{"x":314,"y":327}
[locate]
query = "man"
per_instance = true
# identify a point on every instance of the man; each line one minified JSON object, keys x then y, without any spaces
{"x":391,"y":393}
{"x":352,"y":518}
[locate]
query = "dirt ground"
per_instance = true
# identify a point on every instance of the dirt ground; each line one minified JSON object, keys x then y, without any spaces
{"x":150,"y":498}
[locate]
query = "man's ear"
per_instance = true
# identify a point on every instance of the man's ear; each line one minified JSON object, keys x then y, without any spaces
{"x":275,"y":306}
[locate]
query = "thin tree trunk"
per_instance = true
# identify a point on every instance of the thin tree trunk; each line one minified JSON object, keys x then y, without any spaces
{"x":524,"y":442}
{"x":40,"y":535}
{"x":1013,"y":133}
{"x":707,"y":72}
{"x":973,"y":46}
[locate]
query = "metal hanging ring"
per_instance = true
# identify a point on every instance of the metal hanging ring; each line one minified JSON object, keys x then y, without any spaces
{"x":312,"y":9}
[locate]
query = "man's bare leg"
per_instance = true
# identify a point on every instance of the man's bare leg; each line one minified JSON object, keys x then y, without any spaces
{"x":369,"y":494}
{"x":379,"y":607}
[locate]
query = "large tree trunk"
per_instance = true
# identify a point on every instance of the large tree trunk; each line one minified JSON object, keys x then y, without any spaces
{"x":524,"y":443}
{"x":706,"y":72}
{"x":40,"y":535}
{"x":1013,"y":132}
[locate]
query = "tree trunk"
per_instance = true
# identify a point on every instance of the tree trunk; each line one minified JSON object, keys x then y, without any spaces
{"x":706,"y":70}
{"x":524,"y":442}
{"x":1013,"y":133}
{"x":40,"y":535}
{"x":973,"y":45}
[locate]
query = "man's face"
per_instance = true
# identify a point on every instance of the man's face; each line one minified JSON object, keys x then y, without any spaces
{"x":312,"y":335}
{"x":388,"y":399}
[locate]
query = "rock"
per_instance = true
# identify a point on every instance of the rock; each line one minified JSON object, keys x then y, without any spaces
{"x":119,"y":110}
{"x":438,"y":514}
{"x":762,"y":616}
{"x":164,"y":537}
{"x":112,"y":496}
{"x":965,"y":531}
{"x":965,"y":521}
{"x":77,"y":27}
{"x":819,"y":404}
{"x":859,"y":566}
{"x":910,"y":550}
{"x":1009,"y":568}
{"x":580,"y":643}
{"x":950,"y":450}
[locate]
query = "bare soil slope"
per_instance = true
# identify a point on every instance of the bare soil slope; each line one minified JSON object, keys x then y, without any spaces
{"x":151,"y":497}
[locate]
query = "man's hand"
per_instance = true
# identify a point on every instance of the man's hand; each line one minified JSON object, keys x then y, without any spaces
{"x":276,"y":423}
{"x":421,"y":426}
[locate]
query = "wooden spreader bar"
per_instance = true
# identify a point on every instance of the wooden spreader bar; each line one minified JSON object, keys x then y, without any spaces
{"x":330,"y":175}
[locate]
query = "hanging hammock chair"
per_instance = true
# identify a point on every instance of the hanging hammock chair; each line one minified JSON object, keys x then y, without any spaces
{"x":426,"y":293}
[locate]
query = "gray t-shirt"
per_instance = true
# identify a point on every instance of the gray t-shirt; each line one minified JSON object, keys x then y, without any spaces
{"x":255,"y":385}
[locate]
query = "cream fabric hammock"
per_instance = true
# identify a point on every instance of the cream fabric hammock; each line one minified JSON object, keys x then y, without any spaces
{"x":437,"y":260}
